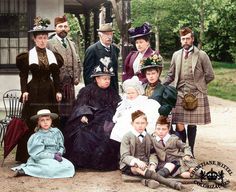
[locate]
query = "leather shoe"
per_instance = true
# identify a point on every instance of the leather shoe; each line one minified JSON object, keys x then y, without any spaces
{"x":19,"y":173}
{"x":150,"y":183}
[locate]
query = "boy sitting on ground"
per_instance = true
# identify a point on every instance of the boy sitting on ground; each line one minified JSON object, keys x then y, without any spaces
{"x":174,"y":156}
{"x":135,"y":154}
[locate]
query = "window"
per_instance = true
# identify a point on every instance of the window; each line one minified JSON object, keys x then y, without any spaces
{"x":13,"y":31}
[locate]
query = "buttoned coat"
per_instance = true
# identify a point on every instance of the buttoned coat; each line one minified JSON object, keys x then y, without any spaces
{"x":92,"y":59}
{"x":201,"y":67}
{"x":128,"y":149}
{"x":128,"y":71}
{"x":174,"y":149}
{"x":55,"y":45}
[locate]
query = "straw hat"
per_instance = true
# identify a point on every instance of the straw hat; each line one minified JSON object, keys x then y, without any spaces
{"x":44,"y":112}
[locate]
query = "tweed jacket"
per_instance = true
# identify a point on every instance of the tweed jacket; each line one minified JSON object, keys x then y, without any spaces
{"x":174,"y":149}
{"x":92,"y":59}
{"x":128,"y":71}
{"x":55,"y":45}
{"x":201,"y":67}
{"x":127,"y":149}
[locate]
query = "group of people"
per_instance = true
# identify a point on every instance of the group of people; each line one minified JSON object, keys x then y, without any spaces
{"x":103,"y":130}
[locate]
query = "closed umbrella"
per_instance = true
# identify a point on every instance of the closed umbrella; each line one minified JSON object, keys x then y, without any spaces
{"x":15,"y":130}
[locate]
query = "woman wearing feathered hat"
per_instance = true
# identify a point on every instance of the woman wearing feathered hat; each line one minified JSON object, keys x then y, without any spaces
{"x":151,"y":67}
{"x":42,"y":91}
{"x":141,"y":38}
{"x":88,"y":129}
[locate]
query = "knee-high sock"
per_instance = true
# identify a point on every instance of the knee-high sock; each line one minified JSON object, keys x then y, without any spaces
{"x":168,"y":182}
{"x":192,"y":131}
{"x":181,"y":135}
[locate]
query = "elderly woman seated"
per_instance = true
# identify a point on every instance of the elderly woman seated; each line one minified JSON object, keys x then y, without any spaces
{"x":88,"y":129}
{"x":133,"y":100}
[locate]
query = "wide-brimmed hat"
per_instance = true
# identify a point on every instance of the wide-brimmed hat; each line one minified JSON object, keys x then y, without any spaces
{"x":44,"y":112}
{"x":134,"y":83}
{"x":106,"y":27}
{"x":153,"y":61}
{"x":104,"y":68}
{"x":41,"y":25}
{"x":141,"y":31}
{"x":59,"y":20}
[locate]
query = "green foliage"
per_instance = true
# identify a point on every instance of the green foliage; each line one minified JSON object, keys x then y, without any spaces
{"x":75,"y":33}
{"x":167,"y":16}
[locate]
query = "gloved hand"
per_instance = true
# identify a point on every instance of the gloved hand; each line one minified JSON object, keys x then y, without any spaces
{"x":58,"y":157}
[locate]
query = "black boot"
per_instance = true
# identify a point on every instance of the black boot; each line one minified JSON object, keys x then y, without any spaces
{"x":164,"y":172}
{"x":192,"y":131}
{"x":155,"y":176}
{"x":181,"y":135}
{"x":19,"y":173}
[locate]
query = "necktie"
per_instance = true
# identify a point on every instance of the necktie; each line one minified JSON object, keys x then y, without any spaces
{"x":107,"y":49}
{"x":63,"y":42}
{"x":186,"y":54}
{"x":140,"y":137}
{"x":162,"y":142}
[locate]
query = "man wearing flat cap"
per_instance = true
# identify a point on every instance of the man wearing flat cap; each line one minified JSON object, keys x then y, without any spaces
{"x":190,"y":72}
{"x":101,"y":49}
{"x":71,"y":70}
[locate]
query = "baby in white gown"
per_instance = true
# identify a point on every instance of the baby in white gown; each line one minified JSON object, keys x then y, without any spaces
{"x":133,"y":100}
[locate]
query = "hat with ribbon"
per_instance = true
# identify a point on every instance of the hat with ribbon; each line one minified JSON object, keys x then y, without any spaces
{"x":106,"y":27}
{"x":59,"y":20}
{"x":41,"y":25}
{"x":44,"y":112}
{"x":141,"y":31}
{"x":104,"y":68}
{"x":153,"y":61}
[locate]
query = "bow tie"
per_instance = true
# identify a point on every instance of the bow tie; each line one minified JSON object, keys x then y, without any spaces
{"x":140,"y":135}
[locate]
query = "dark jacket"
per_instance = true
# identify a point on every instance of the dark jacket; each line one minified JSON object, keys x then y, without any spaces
{"x":92,"y":58}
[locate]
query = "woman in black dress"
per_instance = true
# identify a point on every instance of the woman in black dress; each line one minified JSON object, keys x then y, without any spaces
{"x":42,"y":91}
{"x":88,"y":129}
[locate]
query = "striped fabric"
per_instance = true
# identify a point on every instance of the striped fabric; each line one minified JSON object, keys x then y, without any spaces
{"x":199,"y":116}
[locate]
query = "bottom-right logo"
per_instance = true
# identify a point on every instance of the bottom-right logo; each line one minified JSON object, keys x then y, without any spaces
{"x":212,"y":174}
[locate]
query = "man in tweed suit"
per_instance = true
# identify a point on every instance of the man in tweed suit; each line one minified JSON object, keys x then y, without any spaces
{"x":190,"y":72}
{"x":71,"y":70}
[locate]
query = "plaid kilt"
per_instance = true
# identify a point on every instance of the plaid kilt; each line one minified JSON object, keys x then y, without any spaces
{"x":199,"y":116}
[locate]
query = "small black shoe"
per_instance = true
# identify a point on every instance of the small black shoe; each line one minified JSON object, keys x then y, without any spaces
{"x":19,"y":173}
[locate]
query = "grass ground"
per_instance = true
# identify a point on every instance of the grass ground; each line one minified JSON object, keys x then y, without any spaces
{"x":224,"y":84}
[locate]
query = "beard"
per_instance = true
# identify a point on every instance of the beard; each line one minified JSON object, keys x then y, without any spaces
{"x":187,"y":46}
{"x":62,"y":34}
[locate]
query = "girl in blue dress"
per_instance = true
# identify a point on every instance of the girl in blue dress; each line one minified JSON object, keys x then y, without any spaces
{"x":46,"y":148}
